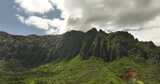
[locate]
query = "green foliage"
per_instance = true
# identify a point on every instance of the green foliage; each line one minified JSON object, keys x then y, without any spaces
{"x":91,"y":71}
{"x":45,"y":49}
{"x":78,"y":71}
{"x":11,"y":72}
{"x":75,"y":71}
{"x":103,"y":57}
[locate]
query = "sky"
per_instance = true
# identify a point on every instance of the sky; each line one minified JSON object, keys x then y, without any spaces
{"x":10,"y":23}
{"x":24,"y":17}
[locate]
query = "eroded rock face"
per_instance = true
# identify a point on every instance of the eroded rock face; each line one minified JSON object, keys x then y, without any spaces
{"x":116,"y":45}
{"x":36,"y":50}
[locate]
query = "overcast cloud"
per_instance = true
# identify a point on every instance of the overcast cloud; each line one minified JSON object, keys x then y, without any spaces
{"x":140,"y":17}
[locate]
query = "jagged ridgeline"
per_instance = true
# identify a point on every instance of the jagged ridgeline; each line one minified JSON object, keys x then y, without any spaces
{"x":34,"y":50}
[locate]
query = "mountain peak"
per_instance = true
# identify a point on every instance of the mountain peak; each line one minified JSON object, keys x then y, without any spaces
{"x":94,"y":30}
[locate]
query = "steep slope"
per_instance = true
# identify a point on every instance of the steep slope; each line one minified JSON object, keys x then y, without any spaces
{"x":44,"y":49}
{"x":102,"y":58}
{"x":35,"y":50}
{"x":116,"y":45}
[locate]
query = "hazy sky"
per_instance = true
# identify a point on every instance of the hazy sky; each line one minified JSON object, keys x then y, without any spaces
{"x":139,"y":17}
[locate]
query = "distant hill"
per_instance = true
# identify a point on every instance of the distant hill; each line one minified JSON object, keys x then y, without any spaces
{"x":49,"y":59}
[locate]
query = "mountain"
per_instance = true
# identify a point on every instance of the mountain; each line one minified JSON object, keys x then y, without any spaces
{"x":36,"y":50}
{"x":33,"y":58}
{"x":44,"y":49}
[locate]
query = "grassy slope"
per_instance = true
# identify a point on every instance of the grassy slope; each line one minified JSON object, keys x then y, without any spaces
{"x":92,"y":71}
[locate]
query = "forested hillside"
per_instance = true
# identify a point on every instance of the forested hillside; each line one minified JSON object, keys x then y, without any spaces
{"x":76,"y":57}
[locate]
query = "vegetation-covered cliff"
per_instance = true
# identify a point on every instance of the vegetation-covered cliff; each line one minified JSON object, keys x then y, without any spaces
{"x":76,"y":57}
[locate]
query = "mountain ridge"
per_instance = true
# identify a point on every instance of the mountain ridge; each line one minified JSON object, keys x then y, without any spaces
{"x":75,"y":57}
{"x":47,"y":48}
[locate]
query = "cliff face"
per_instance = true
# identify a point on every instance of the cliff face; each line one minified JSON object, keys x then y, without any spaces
{"x":36,"y":50}
{"x":116,"y":45}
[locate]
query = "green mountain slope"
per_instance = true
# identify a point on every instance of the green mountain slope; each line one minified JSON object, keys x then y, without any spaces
{"x":91,"y":71}
{"x":103,"y":58}
{"x":32,"y":51}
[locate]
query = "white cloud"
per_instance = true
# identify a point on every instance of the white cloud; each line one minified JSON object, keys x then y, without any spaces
{"x":84,"y":13}
{"x":49,"y":25}
{"x":141,"y":17}
{"x":37,"y":22}
{"x":138,"y":16}
{"x":151,"y":31}
{"x":35,"y":6}
{"x":41,"y":7}
{"x":20,"y":18}
{"x":148,"y":35}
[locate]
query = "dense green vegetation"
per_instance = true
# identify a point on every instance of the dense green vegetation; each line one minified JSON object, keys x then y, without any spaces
{"x":102,"y":58}
{"x":80,"y":71}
